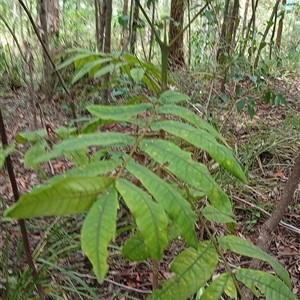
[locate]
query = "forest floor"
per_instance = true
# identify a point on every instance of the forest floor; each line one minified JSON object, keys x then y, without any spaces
{"x":267,"y":145}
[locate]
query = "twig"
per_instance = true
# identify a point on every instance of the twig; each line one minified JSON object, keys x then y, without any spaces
{"x":281,"y":223}
{"x":115,"y":283}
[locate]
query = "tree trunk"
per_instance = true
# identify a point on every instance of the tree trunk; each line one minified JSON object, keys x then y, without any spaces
{"x":42,"y":9}
{"x":280,"y":29}
{"x":124,"y":34}
{"x":106,"y":14}
{"x":133,"y":25}
{"x":176,"y":54}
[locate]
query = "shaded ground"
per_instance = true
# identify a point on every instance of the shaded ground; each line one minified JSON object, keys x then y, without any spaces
{"x":266,"y":145}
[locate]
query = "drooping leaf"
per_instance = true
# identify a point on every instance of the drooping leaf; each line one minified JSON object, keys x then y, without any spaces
{"x":180,"y":163}
{"x":269,"y":285}
{"x":170,"y":96}
{"x":78,"y":157}
{"x":214,"y":215}
{"x":98,"y":229}
{"x":5,"y":152}
{"x":118,"y":113}
{"x":68,"y":196}
{"x":189,"y":116}
{"x":82,"y":141}
{"x":178,"y":209}
{"x":31,"y":136}
{"x":193,"y":267}
{"x":150,"y":217}
{"x":135,"y":248}
{"x":243,"y":247}
{"x":203,"y":140}
{"x":224,"y":283}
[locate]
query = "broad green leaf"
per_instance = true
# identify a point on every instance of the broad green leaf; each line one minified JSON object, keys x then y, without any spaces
{"x":68,"y":196}
{"x":82,"y":141}
{"x":65,"y":132}
{"x":178,"y":209}
{"x":203,"y":140}
{"x":31,"y":136}
{"x":108,"y":69}
{"x":137,"y":74}
{"x":118,"y":113}
{"x":150,"y":217}
{"x":92,"y":169}
{"x":88,"y":67}
{"x":36,"y":150}
{"x":180,"y":163}
{"x":272,"y":287}
{"x":5,"y":152}
{"x":193,"y":268}
{"x":135,"y":249}
{"x":73,"y":59}
{"x":98,"y":229}
{"x":214,"y":215}
{"x":169,"y":96}
{"x":189,"y":116}
{"x":243,"y":247}
{"x":224,"y":283}
{"x":91,"y":126}
{"x":240,"y":105}
{"x":78,"y":157}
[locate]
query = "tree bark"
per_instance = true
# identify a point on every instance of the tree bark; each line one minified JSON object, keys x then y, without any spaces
{"x":176,"y":54}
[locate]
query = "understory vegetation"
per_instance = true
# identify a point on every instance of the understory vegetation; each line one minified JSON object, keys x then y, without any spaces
{"x":159,"y":161}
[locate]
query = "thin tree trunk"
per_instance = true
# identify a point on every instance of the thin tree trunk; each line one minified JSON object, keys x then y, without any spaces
{"x":261,"y":45}
{"x":107,"y":48}
{"x":280,"y":29}
{"x":124,"y":34}
{"x":176,"y":55}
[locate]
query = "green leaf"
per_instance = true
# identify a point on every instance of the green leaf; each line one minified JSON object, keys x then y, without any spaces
{"x":180,"y":163}
{"x":243,"y":247}
{"x":135,"y":249}
{"x":193,"y":268}
{"x":65,"y":132}
{"x":214,"y":215}
{"x":31,"y":136}
{"x":78,"y":157}
{"x":203,"y":140}
{"x":98,"y":229}
{"x":68,"y":196}
{"x":137,"y":74}
{"x":82,"y":141}
{"x":36,"y":150}
{"x":251,"y":111}
{"x":269,"y":285}
{"x":189,"y":116}
{"x":172,"y":97}
{"x":89,"y":66}
{"x":224,"y":283}
{"x":92,"y":169}
{"x":240,"y":105}
{"x":178,"y":209}
{"x":118,"y":113}
{"x":108,"y":69}
{"x":73,"y":59}
{"x":5,"y":152}
{"x":150,"y":217}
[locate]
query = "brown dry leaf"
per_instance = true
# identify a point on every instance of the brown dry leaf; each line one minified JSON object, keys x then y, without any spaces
{"x":58,"y":165}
